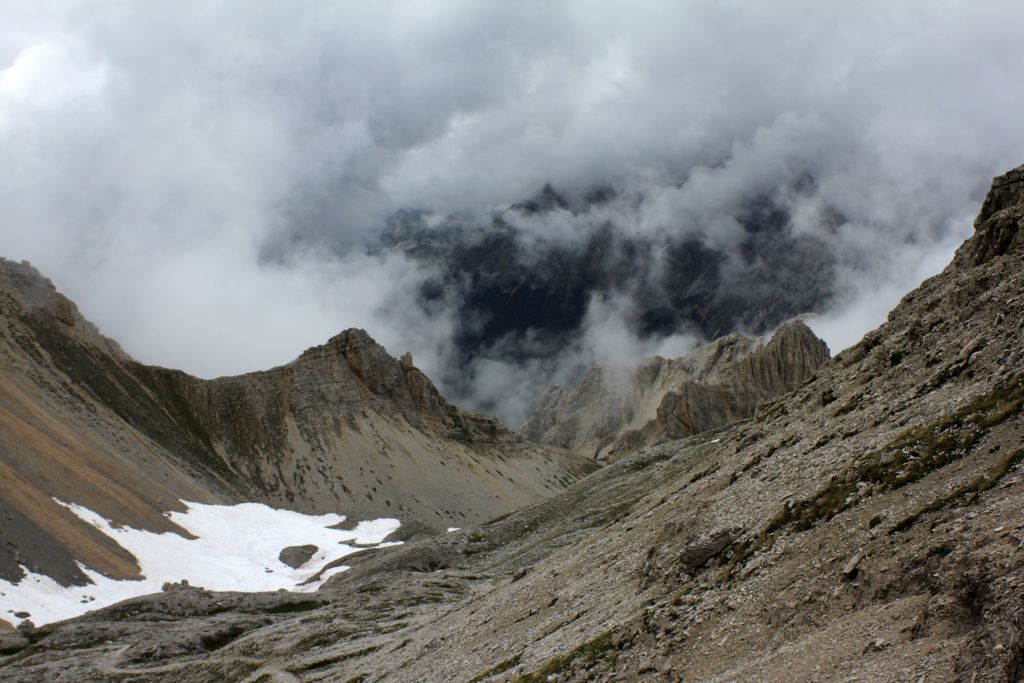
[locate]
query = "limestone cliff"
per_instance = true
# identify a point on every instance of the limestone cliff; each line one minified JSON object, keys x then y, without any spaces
{"x":615,"y":410}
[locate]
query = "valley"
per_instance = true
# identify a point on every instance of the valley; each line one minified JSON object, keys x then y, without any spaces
{"x":864,"y":522}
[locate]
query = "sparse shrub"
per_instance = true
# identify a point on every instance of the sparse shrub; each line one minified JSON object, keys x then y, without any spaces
{"x":588,"y":653}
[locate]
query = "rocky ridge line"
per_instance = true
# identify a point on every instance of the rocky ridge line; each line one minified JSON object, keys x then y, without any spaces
{"x":616,"y":411}
{"x":344,"y":428}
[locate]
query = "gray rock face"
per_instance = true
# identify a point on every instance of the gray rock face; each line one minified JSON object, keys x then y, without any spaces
{"x":615,"y":411}
{"x":344,"y":428}
{"x":998,"y":225}
{"x":297,"y":555}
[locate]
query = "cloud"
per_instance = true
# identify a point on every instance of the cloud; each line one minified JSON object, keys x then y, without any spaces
{"x":510,"y":384}
{"x":210,"y":184}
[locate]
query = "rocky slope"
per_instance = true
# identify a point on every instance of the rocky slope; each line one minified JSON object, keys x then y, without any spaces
{"x":868,"y":526}
{"x":344,"y":428}
{"x":614,"y":411}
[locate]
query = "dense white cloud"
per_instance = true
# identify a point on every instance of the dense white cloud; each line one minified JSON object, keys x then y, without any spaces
{"x":200,"y":180}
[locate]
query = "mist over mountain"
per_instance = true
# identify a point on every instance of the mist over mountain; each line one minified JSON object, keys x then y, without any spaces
{"x":468,"y":340}
{"x":222,"y":188}
{"x":865,"y":525}
{"x":544,"y":287}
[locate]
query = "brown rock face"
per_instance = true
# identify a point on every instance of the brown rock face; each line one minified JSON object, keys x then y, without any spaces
{"x":614,"y":411}
{"x":343,"y":428}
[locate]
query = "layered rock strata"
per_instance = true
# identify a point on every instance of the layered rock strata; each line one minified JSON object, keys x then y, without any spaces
{"x":614,"y":411}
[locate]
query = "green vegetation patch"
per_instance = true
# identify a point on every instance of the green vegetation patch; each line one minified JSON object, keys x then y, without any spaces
{"x":918,"y":451}
{"x":911,"y":456}
{"x":968,"y":491}
{"x":500,"y":667}
{"x":584,"y":656}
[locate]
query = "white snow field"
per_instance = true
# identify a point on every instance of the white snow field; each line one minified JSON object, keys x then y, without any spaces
{"x":236,"y":549}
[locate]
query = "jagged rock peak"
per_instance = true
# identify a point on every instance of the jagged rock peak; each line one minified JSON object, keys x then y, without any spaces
{"x":998,"y":227}
{"x":24,"y":284}
{"x":614,"y":410}
{"x":792,"y":355}
{"x":392,"y":386}
{"x":25,"y":292}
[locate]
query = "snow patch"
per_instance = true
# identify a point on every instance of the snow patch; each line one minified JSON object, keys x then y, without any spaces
{"x":236,"y":549}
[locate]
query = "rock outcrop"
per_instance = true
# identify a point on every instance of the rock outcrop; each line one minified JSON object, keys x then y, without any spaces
{"x":615,"y":411}
{"x":343,"y":428}
{"x":998,"y":225}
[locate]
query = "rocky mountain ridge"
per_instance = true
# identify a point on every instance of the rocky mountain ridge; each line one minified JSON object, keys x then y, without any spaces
{"x":343,"y":428}
{"x":614,"y":411}
{"x":866,"y":526}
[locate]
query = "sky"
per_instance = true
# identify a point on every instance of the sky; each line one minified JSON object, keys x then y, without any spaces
{"x":203,"y":178}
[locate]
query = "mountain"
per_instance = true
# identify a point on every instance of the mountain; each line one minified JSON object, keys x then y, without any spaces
{"x":344,"y":428}
{"x":522,"y":279}
{"x":614,"y":411}
{"x":866,"y":526}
